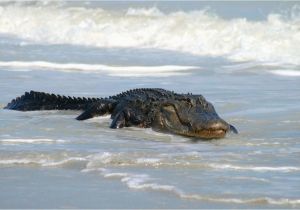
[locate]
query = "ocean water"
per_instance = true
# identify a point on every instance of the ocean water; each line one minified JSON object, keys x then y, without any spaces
{"x":244,"y":57}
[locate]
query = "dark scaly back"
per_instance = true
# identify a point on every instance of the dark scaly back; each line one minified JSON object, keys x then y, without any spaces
{"x":33,"y":100}
{"x":146,"y":93}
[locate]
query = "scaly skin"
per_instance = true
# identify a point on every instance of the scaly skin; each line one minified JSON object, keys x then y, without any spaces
{"x":163,"y":110}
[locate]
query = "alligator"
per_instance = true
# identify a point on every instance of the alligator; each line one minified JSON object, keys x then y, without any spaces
{"x":162,"y":110}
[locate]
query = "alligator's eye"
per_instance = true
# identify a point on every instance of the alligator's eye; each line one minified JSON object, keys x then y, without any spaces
{"x":193,"y":102}
{"x":169,"y":108}
{"x":200,"y":100}
{"x":170,"y":116}
{"x":190,"y":103}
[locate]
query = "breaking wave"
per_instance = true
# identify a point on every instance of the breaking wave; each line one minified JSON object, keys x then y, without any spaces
{"x":276,"y":39}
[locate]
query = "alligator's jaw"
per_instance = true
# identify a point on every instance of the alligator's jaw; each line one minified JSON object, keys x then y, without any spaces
{"x":211,"y":133}
{"x":205,"y":134}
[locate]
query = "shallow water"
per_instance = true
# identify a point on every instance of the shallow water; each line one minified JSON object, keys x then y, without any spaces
{"x":49,"y":157}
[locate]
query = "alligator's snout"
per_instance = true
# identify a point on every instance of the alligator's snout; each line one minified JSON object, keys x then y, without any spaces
{"x":198,"y":120}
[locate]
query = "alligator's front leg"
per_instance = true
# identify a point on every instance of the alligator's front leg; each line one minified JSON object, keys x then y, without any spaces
{"x":126,"y":118}
{"x":119,"y":120}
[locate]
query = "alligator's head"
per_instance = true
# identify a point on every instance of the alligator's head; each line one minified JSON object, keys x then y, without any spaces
{"x":193,"y":117}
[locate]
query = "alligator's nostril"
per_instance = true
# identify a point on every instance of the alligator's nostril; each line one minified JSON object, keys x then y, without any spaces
{"x":233,"y":129}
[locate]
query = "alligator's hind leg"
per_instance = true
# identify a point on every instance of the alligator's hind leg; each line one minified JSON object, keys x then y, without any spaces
{"x":100,"y":108}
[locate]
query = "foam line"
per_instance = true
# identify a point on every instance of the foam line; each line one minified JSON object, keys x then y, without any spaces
{"x":288,"y":73}
{"x":255,"y":168}
{"x":30,"y":141}
{"x":145,"y":182}
{"x":128,"y":71}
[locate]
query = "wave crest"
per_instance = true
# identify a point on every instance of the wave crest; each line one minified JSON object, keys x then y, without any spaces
{"x":276,"y":39}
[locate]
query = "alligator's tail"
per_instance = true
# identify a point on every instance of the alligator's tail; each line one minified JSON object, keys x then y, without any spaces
{"x":33,"y":100}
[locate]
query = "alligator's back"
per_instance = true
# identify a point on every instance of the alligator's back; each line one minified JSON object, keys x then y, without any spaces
{"x":34,"y":100}
{"x":145,"y":94}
